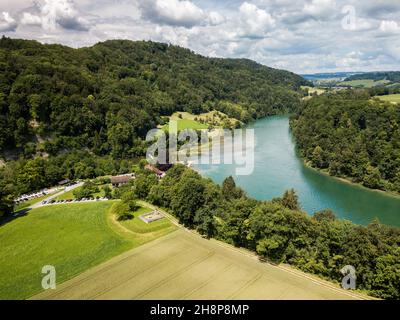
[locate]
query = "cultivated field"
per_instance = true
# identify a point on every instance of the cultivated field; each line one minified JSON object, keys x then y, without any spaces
{"x":182,"y":265}
{"x":367,"y":83}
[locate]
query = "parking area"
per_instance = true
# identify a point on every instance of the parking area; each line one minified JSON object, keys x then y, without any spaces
{"x":52,"y":202}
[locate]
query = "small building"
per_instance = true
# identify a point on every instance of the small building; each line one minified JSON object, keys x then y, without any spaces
{"x":64,"y":182}
{"x":158,"y":172}
{"x":119,"y":181}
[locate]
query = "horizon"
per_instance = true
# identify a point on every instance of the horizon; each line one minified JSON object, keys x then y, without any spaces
{"x":302,"y":36}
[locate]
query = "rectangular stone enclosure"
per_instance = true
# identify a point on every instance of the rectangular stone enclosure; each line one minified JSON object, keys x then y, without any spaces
{"x":151,"y":216}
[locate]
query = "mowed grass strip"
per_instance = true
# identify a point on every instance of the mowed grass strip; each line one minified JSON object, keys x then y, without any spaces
{"x":72,"y":238}
{"x":140,"y":232}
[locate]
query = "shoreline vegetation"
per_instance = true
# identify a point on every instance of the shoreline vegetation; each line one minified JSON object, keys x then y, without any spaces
{"x":348,"y":180}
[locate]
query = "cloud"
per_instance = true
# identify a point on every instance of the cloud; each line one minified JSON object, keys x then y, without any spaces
{"x":7,"y":23}
{"x":62,"y":13}
{"x":54,"y":14}
{"x":255,"y":21}
{"x":173,"y":12}
{"x":389,"y":27}
{"x":31,"y":19}
{"x":215,"y":18}
{"x":320,"y":9}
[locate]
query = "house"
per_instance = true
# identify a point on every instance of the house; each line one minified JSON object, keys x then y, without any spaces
{"x":160,"y":174}
{"x":119,"y":181}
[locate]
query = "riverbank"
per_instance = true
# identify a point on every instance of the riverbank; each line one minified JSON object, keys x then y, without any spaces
{"x":350,"y":182}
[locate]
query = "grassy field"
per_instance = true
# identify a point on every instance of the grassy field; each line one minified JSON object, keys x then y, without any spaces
{"x":368,"y":83}
{"x":214,"y":119}
{"x":187,"y":124}
{"x":73,"y":238}
{"x":140,"y":232}
{"x":395,"y":98}
{"x":182,"y":265}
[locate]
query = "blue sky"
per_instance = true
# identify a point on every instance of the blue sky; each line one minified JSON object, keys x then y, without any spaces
{"x":304,"y":36}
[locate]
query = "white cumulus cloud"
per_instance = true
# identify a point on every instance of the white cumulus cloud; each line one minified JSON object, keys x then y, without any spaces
{"x":7,"y":23}
{"x":173,"y":12}
{"x":389,"y":27}
{"x":255,"y":21}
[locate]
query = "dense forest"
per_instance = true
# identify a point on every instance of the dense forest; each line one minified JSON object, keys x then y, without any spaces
{"x":351,"y":136}
{"x":277,"y":230}
{"x":105,"y":98}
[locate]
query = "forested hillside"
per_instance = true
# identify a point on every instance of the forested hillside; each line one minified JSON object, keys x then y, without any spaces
{"x":351,"y":136}
{"x":106,"y":97}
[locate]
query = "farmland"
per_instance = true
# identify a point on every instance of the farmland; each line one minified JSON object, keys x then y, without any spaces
{"x":182,"y":265}
{"x":367,"y":83}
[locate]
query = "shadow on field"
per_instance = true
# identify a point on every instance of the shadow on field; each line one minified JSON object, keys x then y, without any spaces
{"x":9,"y":218}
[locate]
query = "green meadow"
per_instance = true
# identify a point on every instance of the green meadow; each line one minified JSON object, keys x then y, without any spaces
{"x":72,"y":238}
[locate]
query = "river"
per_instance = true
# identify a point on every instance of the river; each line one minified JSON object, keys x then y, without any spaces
{"x":279,"y":168}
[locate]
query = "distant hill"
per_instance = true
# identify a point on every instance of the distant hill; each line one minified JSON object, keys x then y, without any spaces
{"x":391,"y":76}
{"x":106,"y":97}
{"x":322,"y":76}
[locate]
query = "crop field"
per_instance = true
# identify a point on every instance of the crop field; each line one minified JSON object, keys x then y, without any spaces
{"x":182,"y":265}
{"x":72,"y":238}
{"x":368,"y":83}
{"x":395,"y":98}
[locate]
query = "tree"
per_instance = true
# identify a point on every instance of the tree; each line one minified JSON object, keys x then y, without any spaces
{"x":130,"y":200}
{"x":86,"y":191}
{"x":324,"y":215}
{"x":372,"y":177}
{"x":317,"y":157}
{"x":187,"y":197}
{"x":121,"y":211}
{"x":6,"y":203}
{"x":291,"y":200}
{"x":229,"y":189}
{"x":107,"y":192}
{"x":143,"y":184}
